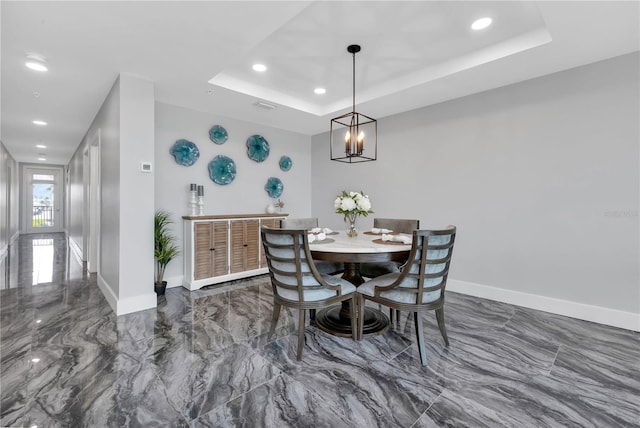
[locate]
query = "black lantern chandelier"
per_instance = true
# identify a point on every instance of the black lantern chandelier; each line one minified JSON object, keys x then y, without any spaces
{"x":351,"y":131}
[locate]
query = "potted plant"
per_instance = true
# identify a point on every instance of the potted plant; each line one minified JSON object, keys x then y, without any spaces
{"x":165,"y":248}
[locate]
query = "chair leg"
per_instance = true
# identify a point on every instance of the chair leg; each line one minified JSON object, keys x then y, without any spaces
{"x":443,"y":330}
{"x":302,"y":316}
{"x":274,"y":319}
{"x":394,"y":314}
{"x":360,"y":299}
{"x":420,"y":337}
{"x":354,"y":317}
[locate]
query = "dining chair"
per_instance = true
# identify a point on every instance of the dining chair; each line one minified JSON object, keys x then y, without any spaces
{"x":373,"y":270}
{"x":330,"y":268}
{"x":299,"y":223}
{"x":296,"y":281}
{"x":419,"y":286}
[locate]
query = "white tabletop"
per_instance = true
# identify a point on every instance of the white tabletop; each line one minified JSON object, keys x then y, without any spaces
{"x":363,"y":243}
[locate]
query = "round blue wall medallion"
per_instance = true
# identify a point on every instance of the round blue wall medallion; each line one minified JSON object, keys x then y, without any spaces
{"x":274,"y":187}
{"x":222,"y":170}
{"x":257,"y":148}
{"x":285,"y":163}
{"x":218,"y":134}
{"x":185,"y":152}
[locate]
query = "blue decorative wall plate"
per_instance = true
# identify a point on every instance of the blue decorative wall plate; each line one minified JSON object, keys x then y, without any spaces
{"x":257,"y":148}
{"x":274,"y":187}
{"x":222,"y":170}
{"x":285,"y":163}
{"x":185,"y":152}
{"x":218,"y":134}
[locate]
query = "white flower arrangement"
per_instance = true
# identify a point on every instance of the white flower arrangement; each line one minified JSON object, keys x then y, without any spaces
{"x":352,"y":204}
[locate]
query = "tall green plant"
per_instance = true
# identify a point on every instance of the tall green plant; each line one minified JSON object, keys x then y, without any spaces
{"x":165,"y":243}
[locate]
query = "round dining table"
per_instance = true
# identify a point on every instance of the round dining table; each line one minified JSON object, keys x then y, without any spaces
{"x":352,"y":251}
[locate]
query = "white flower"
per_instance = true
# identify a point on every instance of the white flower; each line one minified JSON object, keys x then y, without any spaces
{"x":352,"y":204}
{"x":364,"y":204}
{"x":348,"y":204}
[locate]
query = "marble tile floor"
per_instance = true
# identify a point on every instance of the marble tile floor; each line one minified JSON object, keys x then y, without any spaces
{"x":202,"y":359}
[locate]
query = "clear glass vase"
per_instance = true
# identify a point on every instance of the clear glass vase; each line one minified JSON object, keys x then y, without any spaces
{"x":352,"y":231}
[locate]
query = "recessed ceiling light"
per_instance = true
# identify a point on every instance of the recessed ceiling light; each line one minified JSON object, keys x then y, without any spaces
{"x":41,"y":146}
{"x":35,"y":360}
{"x":38,"y":321}
{"x":259,"y":67}
{"x":39,"y":122}
{"x":42,"y":159}
{"x":481,"y":23}
{"x":36,"y":62}
{"x":320,"y":91}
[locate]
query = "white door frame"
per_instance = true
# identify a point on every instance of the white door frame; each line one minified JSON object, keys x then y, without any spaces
{"x":9,"y":207}
{"x":28,"y":198}
{"x":94,"y":203}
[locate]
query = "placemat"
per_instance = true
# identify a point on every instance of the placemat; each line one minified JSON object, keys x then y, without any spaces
{"x":324,"y":241}
{"x":380,"y":234}
{"x":380,"y":241}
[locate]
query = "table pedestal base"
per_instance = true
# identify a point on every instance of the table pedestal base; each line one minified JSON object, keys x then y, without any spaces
{"x":335,"y":320}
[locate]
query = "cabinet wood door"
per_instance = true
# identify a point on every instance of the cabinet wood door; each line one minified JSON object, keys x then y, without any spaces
{"x":245,"y":241}
{"x":269,"y":222}
{"x":211,"y":249}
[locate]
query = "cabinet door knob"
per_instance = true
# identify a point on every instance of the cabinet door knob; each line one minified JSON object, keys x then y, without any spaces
{"x":245,"y":245}
{"x":212,"y":249}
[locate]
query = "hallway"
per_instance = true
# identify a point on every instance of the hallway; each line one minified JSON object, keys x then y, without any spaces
{"x":201,"y":359}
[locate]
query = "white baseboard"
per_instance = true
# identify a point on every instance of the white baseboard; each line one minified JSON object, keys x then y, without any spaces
{"x":108,"y":293}
{"x":129,"y":305}
{"x":597,"y":314}
{"x":137,"y":303}
{"x":174,"y":281}
{"x":76,"y":249}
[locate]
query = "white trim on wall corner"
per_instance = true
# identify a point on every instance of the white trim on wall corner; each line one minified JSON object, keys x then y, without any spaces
{"x":137,"y":303}
{"x":107,"y":292}
{"x":129,"y":305}
{"x":76,"y":249}
{"x":597,"y":314}
{"x":14,"y":238}
{"x":174,"y":281}
{"x":3,"y":251}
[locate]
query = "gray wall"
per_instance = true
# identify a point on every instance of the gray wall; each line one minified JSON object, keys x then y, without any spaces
{"x":9,"y":185}
{"x":136,"y":209}
{"x":108,"y":122}
{"x":76,"y":201}
{"x":126,"y":125}
{"x":246,"y":194}
{"x":541,"y":178}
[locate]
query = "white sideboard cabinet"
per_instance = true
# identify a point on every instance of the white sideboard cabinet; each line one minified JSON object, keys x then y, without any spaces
{"x":219,"y":248}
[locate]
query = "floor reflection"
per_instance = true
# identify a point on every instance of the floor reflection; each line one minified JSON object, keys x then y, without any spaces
{"x":42,"y":261}
{"x":36,"y":259}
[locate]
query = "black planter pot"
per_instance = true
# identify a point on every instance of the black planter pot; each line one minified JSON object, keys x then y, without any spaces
{"x":160,"y":288}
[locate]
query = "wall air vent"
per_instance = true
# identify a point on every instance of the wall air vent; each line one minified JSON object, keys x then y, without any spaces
{"x":263,"y":105}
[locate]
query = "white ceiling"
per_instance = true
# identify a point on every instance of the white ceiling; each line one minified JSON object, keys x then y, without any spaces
{"x":199,"y":55}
